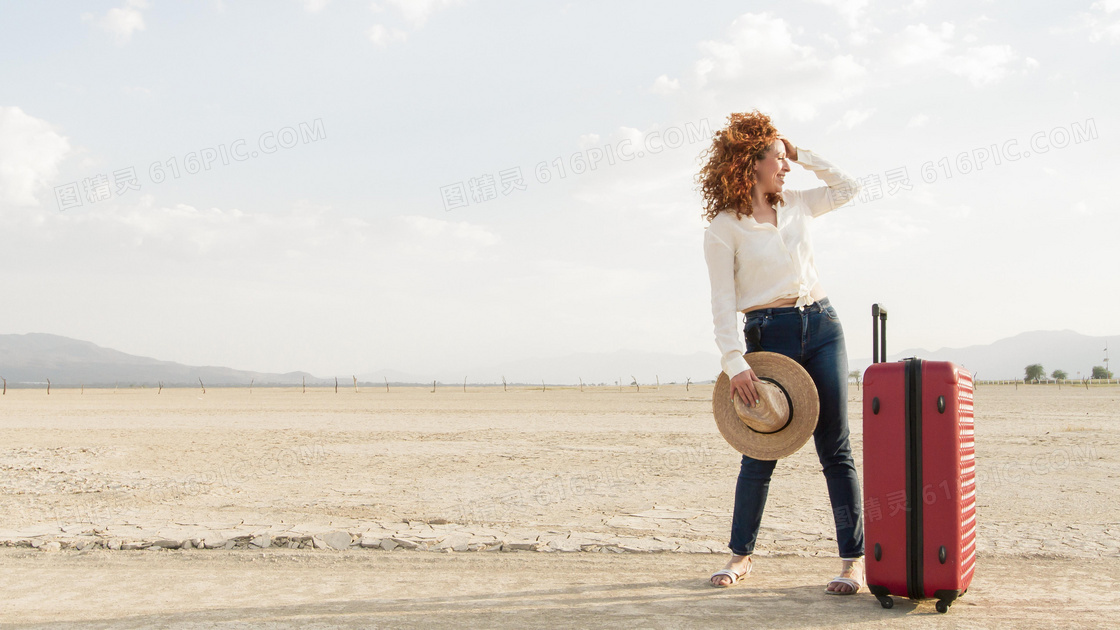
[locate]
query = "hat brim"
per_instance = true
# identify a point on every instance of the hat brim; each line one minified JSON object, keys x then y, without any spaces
{"x":804,"y":409}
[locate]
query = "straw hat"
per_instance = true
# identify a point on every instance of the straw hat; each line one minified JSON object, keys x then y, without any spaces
{"x":785,"y":417}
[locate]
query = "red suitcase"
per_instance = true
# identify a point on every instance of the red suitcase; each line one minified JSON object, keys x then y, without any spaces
{"x":919,"y":477}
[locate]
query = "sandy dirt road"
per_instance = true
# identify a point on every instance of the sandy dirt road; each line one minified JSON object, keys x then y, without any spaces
{"x":410,"y":589}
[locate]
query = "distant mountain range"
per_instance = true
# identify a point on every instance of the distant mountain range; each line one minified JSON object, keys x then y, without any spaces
{"x":35,"y":357}
{"x":30,"y":359}
{"x":1008,"y":358}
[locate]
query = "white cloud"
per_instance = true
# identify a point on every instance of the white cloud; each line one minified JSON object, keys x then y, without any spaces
{"x":918,"y":43}
{"x":958,"y":212}
{"x":30,"y":152}
{"x":850,"y":9}
{"x":227,"y":238}
{"x":314,"y":6}
{"x":1100,"y":23}
{"x":382,"y":36}
{"x":137,"y":91}
{"x":121,"y":22}
{"x":754,"y":37}
{"x":588,"y":140}
{"x":438,"y":237}
{"x":918,"y":120}
{"x":760,"y":65}
{"x":664,"y":85}
{"x":414,"y":12}
{"x":984,"y":64}
{"x":852,"y":118}
{"x":417,"y":12}
{"x":853,"y":12}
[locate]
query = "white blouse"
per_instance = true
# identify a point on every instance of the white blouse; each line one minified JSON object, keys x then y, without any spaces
{"x":751,"y":264}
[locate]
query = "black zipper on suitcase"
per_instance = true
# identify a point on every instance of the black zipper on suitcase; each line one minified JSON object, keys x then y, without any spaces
{"x":914,"y":547}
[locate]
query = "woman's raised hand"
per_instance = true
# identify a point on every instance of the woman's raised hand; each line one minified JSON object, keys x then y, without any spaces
{"x":791,"y":151}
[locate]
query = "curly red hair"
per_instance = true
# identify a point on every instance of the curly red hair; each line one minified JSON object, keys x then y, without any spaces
{"x":735,"y":150}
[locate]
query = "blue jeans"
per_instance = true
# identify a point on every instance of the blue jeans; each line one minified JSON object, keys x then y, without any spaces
{"x":814,"y":338}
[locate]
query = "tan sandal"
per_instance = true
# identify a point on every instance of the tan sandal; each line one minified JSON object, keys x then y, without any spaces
{"x":856,"y":585}
{"x":735,"y":577}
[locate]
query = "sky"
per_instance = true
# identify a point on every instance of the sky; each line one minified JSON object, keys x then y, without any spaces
{"x":431,"y":185}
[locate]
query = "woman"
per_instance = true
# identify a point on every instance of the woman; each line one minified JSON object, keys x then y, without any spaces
{"x":760,"y":262}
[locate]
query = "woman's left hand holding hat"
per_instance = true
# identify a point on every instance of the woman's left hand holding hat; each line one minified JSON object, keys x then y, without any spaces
{"x":742,"y":384}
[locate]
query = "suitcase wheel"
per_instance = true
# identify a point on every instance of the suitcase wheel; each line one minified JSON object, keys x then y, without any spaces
{"x":881,"y":593}
{"x":945,"y":599}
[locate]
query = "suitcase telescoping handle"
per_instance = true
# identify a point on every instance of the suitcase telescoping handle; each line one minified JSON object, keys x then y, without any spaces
{"x":878,"y":332}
